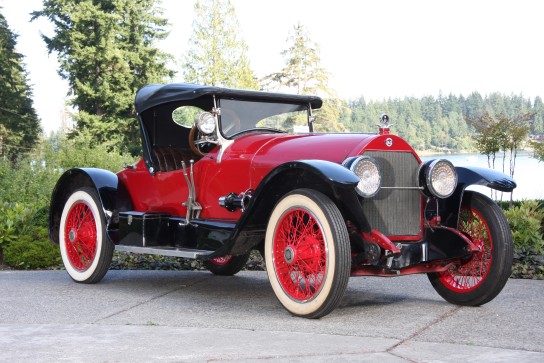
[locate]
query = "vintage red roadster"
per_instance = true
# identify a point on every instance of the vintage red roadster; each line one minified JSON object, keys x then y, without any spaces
{"x":222,"y":173}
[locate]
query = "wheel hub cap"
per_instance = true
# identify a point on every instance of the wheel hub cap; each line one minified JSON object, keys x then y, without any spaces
{"x":289,"y":254}
{"x":72,"y":235}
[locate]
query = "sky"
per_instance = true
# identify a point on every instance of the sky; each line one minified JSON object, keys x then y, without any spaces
{"x":377,"y":49}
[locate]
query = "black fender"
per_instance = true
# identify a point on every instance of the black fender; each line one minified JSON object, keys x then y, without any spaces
{"x":332,"y":179}
{"x":466,"y":176}
{"x":104,"y":182}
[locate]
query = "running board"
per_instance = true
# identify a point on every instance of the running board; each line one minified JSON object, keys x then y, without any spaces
{"x":166,"y":251}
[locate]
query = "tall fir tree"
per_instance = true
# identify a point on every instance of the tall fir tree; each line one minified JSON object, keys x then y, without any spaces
{"x":303,"y":74}
{"x":106,"y":52}
{"x":19,"y":123}
{"x":217,"y":55}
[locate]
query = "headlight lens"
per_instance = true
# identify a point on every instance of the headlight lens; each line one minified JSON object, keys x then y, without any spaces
{"x":206,"y":123}
{"x":441,"y":178}
{"x":370,"y":175}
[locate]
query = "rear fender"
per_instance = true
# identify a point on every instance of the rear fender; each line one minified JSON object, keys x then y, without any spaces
{"x":466,"y":176}
{"x":103,"y":181}
{"x":334,"y":180}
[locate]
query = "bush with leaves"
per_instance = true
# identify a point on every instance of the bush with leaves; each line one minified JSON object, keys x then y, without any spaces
{"x":526,"y":221}
{"x":26,"y":185}
{"x":32,"y":251}
{"x":15,"y":220}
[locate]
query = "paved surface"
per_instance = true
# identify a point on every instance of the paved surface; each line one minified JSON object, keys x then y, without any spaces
{"x":174,"y":316}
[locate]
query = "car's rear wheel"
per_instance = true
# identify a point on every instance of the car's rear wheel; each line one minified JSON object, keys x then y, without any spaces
{"x":480,"y":279}
{"x":85,"y":248}
{"x":227,"y":265}
{"x":307,"y":253}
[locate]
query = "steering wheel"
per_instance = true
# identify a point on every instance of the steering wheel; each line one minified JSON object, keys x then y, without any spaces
{"x":198,"y":143}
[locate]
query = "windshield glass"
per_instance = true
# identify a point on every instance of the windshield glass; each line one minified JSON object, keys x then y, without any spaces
{"x":243,"y":116}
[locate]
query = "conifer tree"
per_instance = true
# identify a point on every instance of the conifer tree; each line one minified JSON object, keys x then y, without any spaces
{"x":106,"y":52}
{"x":217,"y":55}
{"x":303,"y":74}
{"x":19,"y":123}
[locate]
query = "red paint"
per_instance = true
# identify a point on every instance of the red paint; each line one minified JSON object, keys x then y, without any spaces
{"x":243,"y":166}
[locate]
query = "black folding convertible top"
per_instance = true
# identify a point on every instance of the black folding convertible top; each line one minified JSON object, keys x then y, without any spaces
{"x":156,"y":94}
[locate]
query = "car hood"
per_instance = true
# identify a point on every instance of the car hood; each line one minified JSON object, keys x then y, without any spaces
{"x":266,"y":151}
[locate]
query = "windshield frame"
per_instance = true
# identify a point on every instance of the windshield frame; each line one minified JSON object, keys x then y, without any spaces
{"x":246,"y":114}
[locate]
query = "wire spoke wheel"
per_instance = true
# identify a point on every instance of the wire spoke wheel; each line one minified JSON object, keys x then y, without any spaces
{"x":300,"y":254}
{"x":479,"y":279}
{"x":85,"y":248}
{"x":307,"y":253}
{"x":80,"y":231}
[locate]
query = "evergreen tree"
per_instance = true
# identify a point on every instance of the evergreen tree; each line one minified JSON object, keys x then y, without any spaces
{"x":217,"y":56}
{"x":106,"y":52}
{"x":19,"y":123}
{"x":303,"y":74}
{"x":538,"y":120}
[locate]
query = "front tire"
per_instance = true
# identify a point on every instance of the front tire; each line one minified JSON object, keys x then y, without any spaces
{"x":480,"y":279}
{"x":307,"y":253}
{"x":84,"y":245}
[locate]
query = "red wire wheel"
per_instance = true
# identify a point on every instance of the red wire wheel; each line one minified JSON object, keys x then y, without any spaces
{"x":300,"y":254}
{"x":479,"y":279}
{"x":84,"y":245}
{"x":468,"y":277}
{"x":80,"y":231}
{"x":307,"y":253}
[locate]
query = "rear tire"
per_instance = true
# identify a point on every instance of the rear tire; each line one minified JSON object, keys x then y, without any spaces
{"x":307,"y":253}
{"x":227,"y":265}
{"x":480,"y":279}
{"x":84,"y":245}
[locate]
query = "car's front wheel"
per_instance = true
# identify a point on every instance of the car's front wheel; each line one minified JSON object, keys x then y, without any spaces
{"x":85,"y":248}
{"x":479,"y":279}
{"x":307,"y":253}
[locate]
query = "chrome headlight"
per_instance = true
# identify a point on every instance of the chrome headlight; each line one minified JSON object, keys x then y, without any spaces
{"x":369,"y":173}
{"x":440,"y":178}
{"x":206,"y":123}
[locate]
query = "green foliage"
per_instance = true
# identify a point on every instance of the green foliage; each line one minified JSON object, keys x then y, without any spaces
{"x":106,"y":52}
{"x":15,"y":220}
{"x":442,"y":124}
{"x":19,"y":123}
{"x":217,"y":56}
{"x":526,"y":223}
{"x":302,"y":73}
{"x":538,"y":150}
{"x":25,"y":190}
{"x":32,"y":251}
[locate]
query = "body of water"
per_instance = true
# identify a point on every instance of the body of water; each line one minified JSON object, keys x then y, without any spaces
{"x":528,"y":174}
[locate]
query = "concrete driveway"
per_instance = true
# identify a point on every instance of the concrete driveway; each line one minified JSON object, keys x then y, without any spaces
{"x":189,"y":316}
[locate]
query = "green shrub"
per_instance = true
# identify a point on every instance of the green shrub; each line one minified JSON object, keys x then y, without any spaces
{"x":526,"y":223}
{"x":32,"y":251}
{"x":15,"y":220}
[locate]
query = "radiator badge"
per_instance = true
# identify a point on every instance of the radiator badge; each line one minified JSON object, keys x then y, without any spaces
{"x":389,"y":142}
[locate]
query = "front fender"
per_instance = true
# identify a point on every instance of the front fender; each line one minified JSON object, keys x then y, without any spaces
{"x":487,"y":177}
{"x":103,"y":181}
{"x":467,"y":176}
{"x":332,"y":179}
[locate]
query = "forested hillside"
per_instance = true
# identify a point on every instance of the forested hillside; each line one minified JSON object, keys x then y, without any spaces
{"x":440,"y":124}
